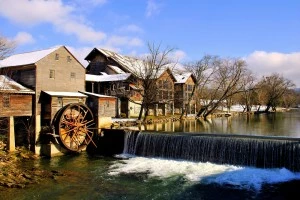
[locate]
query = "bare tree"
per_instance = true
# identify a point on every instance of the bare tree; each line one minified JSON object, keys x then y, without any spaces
{"x":203,"y":71}
{"x":247,"y":96}
{"x":6,"y":47}
{"x":274,"y":87}
{"x":147,"y":70}
{"x":226,"y":83}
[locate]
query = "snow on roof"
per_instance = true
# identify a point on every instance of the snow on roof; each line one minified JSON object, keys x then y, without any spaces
{"x":26,"y":58}
{"x":182,"y":78}
{"x":116,"y":69}
{"x":65,"y":94}
{"x":97,"y":95}
{"x":130,"y":63}
{"x":7,"y":85}
{"x":107,"y":78}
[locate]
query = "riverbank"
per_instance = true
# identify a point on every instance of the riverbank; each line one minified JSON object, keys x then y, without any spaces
{"x":15,"y":174}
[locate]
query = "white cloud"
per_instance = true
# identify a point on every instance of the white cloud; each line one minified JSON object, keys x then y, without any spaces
{"x":23,"y":38}
{"x":54,"y":12}
{"x":152,"y":8}
{"x":178,"y":55}
{"x":131,"y":28}
{"x":124,"y":41}
{"x":266,"y":63}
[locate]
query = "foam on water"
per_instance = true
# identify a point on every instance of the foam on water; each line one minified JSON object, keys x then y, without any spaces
{"x":204,"y":173}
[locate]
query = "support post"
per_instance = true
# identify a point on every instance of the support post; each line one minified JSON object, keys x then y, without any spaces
{"x":37,"y":149}
{"x":11,"y":135}
{"x":156,"y":110}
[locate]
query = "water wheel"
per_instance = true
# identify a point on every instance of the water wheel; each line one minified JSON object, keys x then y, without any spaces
{"x":74,"y":124}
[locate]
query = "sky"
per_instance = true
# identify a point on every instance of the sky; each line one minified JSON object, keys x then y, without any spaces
{"x":265,"y":33}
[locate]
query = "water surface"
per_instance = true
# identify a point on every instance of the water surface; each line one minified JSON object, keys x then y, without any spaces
{"x":132,"y":177}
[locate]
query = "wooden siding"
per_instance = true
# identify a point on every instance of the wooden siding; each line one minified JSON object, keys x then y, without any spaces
{"x":165,"y":93}
{"x":51,"y":105}
{"x":19,"y":105}
{"x":181,"y":96}
{"x":107,"y":107}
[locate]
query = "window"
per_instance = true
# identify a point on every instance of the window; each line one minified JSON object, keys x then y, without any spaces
{"x":52,"y":73}
{"x":189,"y":88}
{"x":56,"y":56}
{"x":6,"y":101}
{"x":68,"y":58}
{"x":166,"y":84}
{"x":73,"y":75}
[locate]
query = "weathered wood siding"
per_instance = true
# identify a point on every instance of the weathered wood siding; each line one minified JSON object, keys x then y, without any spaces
{"x":166,"y":93}
{"x":19,"y":105}
{"x":51,"y":105}
{"x":98,"y":64}
{"x":182,"y":94}
{"x":107,"y":107}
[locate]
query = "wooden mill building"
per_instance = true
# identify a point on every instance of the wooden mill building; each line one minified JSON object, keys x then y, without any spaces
{"x":15,"y":101}
{"x":53,"y":72}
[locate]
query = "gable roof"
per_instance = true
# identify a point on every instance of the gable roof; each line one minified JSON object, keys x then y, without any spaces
{"x":7,"y":85}
{"x":183,"y":77}
{"x":30,"y":58}
{"x":26,"y":58}
{"x":128,"y":63}
{"x":107,"y":78}
{"x":97,"y":95}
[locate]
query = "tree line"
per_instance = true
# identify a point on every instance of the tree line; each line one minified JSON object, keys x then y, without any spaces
{"x":219,"y":82}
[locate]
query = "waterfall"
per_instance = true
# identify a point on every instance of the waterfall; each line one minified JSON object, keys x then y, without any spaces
{"x":129,"y":141}
{"x":256,"y":151}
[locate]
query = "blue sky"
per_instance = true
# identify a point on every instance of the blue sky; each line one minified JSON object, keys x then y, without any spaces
{"x":265,"y":33}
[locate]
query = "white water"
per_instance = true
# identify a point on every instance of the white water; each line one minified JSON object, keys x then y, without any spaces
{"x":205,"y":173}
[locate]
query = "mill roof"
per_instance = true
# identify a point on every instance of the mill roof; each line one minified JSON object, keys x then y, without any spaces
{"x":107,"y":78}
{"x":7,"y":85}
{"x":26,"y":58}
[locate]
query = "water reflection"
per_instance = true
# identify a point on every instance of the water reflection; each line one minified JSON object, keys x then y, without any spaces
{"x":286,"y":124}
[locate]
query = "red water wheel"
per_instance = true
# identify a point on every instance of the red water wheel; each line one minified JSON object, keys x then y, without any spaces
{"x":74,"y":124}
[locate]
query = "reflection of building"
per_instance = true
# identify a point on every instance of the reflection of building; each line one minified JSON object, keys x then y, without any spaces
{"x":184,"y":85}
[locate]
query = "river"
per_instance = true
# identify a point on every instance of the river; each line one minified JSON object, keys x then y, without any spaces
{"x":131,"y":177}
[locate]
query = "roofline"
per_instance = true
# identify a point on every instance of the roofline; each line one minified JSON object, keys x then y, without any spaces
{"x":74,"y":56}
{"x":16,"y":92}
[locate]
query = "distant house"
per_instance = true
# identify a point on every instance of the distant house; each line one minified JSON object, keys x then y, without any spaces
{"x":55,"y":69}
{"x":185,"y":82}
{"x":165,"y":98}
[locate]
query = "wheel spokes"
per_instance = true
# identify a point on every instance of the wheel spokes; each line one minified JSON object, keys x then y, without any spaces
{"x":75,"y":127}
